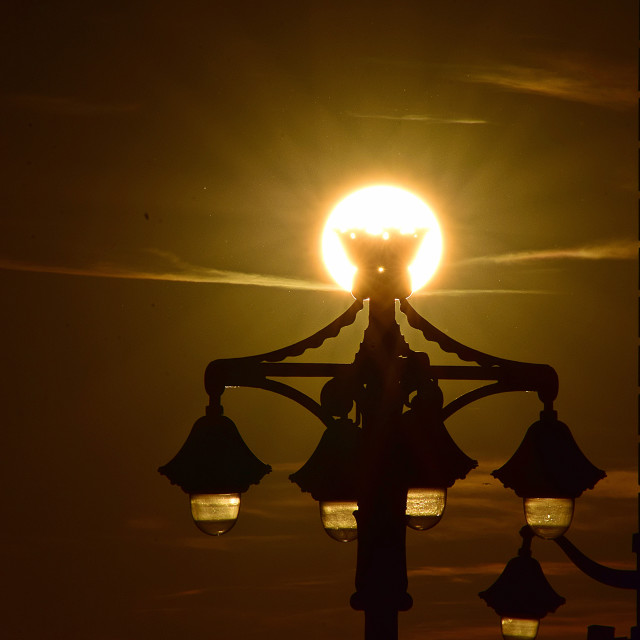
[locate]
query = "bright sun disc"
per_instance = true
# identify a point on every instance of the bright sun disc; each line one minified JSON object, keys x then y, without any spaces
{"x":377,"y":210}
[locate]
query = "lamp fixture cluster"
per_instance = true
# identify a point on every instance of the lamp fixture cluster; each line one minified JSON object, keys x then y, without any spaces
{"x":386,"y":460}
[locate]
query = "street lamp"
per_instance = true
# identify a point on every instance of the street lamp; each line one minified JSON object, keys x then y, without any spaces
{"x":385,"y":460}
{"x":522,"y":595}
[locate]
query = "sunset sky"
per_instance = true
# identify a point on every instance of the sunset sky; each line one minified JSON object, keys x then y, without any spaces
{"x":167,"y":172}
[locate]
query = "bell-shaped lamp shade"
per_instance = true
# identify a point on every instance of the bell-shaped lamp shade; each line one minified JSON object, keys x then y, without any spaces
{"x":338,"y":519}
{"x":432,"y":458}
{"x":425,"y":507}
{"x":215,"y":513}
{"x":519,"y":628}
{"x":521,"y":595}
{"x":548,"y":471}
{"x":214,"y":466}
{"x":548,"y":518}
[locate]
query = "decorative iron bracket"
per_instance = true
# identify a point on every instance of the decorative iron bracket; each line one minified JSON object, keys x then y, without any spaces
{"x":256,"y":371}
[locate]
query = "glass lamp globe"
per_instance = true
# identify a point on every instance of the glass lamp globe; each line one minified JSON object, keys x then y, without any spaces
{"x":215,"y":513}
{"x":549,"y":518}
{"x":519,"y":628}
{"x":425,"y":507}
{"x":338,"y":519}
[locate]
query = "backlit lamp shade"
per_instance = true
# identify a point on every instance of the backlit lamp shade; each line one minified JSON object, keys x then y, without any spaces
{"x":548,"y":471}
{"x":214,"y":466}
{"x":521,"y":596}
{"x":331,"y":476}
{"x":433,"y":460}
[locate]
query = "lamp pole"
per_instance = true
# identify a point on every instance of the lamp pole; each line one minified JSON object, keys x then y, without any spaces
{"x":386,"y":459}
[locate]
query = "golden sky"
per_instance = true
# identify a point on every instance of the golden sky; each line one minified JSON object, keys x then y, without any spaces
{"x":167,"y":172}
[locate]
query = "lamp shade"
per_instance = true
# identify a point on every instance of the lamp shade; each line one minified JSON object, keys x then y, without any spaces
{"x":331,"y":476}
{"x":522,"y":593}
{"x":548,"y":463}
{"x":332,"y":471}
{"x":214,"y":460}
{"x":432,"y":460}
{"x":548,"y":471}
{"x":432,"y":457}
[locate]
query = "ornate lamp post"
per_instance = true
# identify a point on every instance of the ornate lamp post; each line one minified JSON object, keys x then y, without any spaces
{"x":386,"y":460}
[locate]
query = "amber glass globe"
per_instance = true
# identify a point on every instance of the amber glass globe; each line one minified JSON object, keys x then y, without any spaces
{"x":519,"y":628}
{"x":549,"y":518}
{"x":425,"y":507}
{"x":215,"y":513}
{"x":338,"y":519}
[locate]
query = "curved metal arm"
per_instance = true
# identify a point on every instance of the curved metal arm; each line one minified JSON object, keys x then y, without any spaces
{"x":620,"y":578}
{"x":293,"y":394}
{"x":477,"y":394}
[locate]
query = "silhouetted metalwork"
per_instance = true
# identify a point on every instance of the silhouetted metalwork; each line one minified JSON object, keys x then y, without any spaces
{"x":332,"y":473}
{"x":522,"y":592}
{"x":619,"y":578}
{"x":386,"y":459}
{"x":382,"y":262}
{"x":522,"y":595}
{"x":214,"y":459}
{"x":548,"y":463}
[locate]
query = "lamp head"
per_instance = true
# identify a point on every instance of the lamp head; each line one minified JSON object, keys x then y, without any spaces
{"x":383,"y":261}
{"x":521,"y":595}
{"x":548,"y":471}
{"x":214,"y":466}
{"x":331,"y":476}
{"x":381,"y":240}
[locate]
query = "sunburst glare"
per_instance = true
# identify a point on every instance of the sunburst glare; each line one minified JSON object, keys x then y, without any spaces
{"x":377,"y":210}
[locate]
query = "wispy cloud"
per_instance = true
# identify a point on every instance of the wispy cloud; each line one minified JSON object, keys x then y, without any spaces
{"x":551,"y":568}
{"x":205,"y":275}
{"x":614,"y":250}
{"x":466,"y":292}
{"x":489,"y":568}
{"x":172,"y":269}
{"x":568,"y":78}
{"x":180,"y":272}
{"x":416,"y":117}
{"x":182,"y":594}
{"x":619,"y":483}
{"x":227,"y":543}
{"x":66,"y":105}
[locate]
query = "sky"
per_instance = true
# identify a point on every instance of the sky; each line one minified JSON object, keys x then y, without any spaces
{"x":167,"y":170}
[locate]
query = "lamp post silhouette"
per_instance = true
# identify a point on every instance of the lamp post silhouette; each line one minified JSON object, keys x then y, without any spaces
{"x":386,"y":460}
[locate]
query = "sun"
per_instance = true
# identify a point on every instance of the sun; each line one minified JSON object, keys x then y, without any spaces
{"x":379,"y":210}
